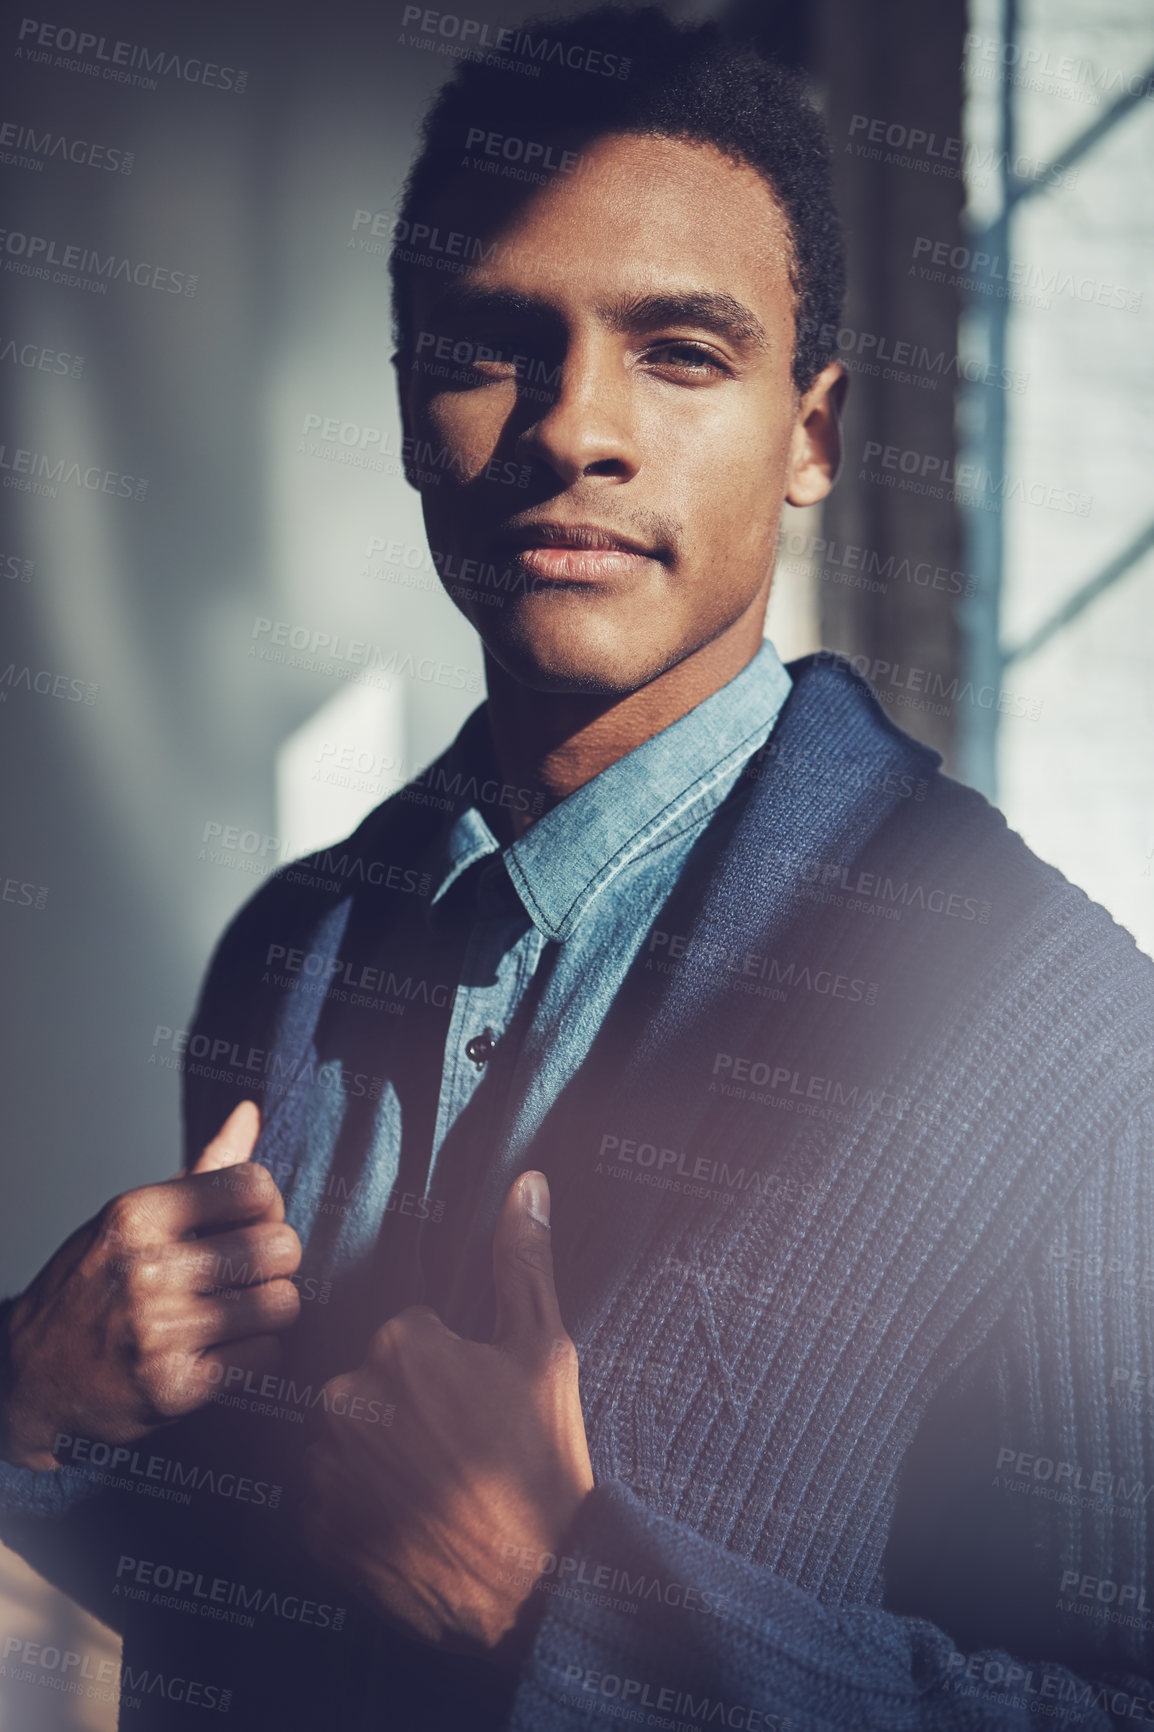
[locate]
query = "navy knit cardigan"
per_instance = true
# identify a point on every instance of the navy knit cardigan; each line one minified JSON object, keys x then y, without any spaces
{"x":854,"y":1231}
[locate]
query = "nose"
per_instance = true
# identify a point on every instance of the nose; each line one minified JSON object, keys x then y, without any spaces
{"x":587,"y":429}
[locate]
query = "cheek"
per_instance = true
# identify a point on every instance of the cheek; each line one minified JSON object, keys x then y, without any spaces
{"x":732,"y":489}
{"x":466,"y":425}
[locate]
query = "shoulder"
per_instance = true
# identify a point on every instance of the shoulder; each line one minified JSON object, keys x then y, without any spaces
{"x":952,"y":895}
{"x":835,"y":733}
{"x":379,"y":856}
{"x":259,"y":982}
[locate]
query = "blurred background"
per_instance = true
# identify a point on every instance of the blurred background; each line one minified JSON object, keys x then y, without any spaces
{"x":193,"y":251}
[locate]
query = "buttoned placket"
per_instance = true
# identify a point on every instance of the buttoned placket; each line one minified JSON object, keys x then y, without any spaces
{"x":501,"y":956}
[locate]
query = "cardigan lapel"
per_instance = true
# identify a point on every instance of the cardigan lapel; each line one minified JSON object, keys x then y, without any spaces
{"x":834,"y":772}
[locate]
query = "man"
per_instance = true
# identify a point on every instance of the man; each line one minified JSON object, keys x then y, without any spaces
{"x":617,"y":1066}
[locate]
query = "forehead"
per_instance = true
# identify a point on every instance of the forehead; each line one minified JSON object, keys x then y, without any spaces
{"x":633,"y":214}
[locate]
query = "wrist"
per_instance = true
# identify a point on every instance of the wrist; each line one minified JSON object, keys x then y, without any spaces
{"x":22,"y":1443}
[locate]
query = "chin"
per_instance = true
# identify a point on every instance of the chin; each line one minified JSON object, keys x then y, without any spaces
{"x":594,"y":669}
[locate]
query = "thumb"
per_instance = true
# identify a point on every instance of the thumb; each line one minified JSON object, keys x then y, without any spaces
{"x":528,"y":1317}
{"x":234,"y":1142}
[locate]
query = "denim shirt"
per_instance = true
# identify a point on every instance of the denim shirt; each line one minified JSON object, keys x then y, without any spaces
{"x":405,"y":1160}
{"x":524,"y":949}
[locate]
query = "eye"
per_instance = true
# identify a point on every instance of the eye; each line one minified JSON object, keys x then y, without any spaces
{"x":686,"y":357}
{"x":471,"y":366}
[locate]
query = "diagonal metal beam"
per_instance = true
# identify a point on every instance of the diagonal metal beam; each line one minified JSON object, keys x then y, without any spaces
{"x":1019,"y":187}
{"x":1081,"y":598}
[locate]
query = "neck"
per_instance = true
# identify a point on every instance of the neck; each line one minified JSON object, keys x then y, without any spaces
{"x":555,"y":742}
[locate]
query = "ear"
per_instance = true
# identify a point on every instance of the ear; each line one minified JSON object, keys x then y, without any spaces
{"x":815,"y":445}
{"x":406,"y":398}
{"x":403,"y":368}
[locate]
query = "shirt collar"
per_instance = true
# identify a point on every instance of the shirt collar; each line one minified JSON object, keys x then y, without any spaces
{"x":575,"y":850}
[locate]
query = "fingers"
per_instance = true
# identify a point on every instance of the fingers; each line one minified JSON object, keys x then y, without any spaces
{"x":528,"y":1316}
{"x":239,"y":1259}
{"x":234,"y":1142}
{"x":226,"y":1366}
{"x":271,"y":1307}
{"x":181,"y":1207}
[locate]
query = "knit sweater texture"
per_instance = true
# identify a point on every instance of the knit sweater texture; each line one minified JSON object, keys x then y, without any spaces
{"x":854,"y":1231}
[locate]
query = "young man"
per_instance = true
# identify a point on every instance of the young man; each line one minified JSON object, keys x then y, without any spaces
{"x":852,"y":1217}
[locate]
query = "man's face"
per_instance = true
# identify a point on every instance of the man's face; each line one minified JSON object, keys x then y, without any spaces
{"x":625,"y":351}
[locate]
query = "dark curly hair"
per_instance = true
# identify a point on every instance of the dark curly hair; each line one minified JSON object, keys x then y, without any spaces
{"x":669,"y":80}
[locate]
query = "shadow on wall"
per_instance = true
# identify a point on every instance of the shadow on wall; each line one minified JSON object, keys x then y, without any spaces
{"x":59,"y":1667}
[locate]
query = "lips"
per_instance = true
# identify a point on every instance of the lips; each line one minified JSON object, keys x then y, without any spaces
{"x":574,"y":552}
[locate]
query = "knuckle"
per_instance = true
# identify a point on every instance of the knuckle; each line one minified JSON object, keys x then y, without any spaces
{"x":166,"y":1383}
{"x":388,"y":1341}
{"x":535,"y":1252}
{"x":121,"y":1220}
{"x":562,"y":1357}
{"x":260,"y":1182}
{"x":279,"y":1244}
{"x":280,"y":1301}
{"x":562,"y":1349}
{"x":144,"y":1275}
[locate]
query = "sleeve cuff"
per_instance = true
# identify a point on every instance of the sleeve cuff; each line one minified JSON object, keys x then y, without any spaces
{"x":53,"y":1492}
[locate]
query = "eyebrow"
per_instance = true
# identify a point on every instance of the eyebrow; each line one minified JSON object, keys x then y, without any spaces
{"x":710,"y":310}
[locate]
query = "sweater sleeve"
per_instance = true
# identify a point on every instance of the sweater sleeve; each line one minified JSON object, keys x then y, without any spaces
{"x":1019,"y":1585}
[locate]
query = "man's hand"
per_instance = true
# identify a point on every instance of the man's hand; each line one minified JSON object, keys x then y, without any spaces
{"x":138,"y":1314}
{"x":441,"y":1458}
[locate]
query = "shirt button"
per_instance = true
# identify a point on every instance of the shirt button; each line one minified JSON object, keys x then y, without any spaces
{"x":480,"y":1048}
